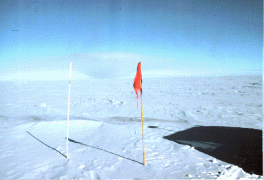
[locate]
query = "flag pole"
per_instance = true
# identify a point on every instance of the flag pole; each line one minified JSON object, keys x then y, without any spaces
{"x":142,"y":126}
{"x":68,"y":115}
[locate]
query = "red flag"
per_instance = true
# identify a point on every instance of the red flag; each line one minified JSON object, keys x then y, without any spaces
{"x":138,"y":81}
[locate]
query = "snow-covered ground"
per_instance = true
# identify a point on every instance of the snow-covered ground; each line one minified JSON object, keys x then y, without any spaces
{"x":195,"y":127}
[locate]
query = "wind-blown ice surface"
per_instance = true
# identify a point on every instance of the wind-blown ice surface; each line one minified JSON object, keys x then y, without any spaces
{"x":187,"y":123}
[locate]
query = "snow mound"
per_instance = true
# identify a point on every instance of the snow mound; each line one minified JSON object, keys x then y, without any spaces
{"x":235,"y":172}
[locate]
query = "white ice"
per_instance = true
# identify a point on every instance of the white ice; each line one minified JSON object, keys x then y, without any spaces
{"x":106,"y":133}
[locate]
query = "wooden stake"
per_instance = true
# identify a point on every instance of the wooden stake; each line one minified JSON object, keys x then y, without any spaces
{"x":142,"y":128}
{"x":68,"y":115}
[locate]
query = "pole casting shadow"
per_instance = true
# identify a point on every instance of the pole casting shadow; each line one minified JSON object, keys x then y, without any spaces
{"x":238,"y":146}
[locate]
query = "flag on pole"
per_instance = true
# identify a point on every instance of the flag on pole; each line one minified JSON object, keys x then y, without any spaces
{"x":138,"y":81}
{"x":138,"y":86}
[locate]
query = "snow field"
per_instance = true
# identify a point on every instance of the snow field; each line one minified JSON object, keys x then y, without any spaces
{"x":105,"y":127}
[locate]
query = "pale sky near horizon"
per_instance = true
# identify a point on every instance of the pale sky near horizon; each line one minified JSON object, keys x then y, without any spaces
{"x":107,"y":38}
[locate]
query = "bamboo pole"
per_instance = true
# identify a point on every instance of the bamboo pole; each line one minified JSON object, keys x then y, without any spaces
{"x":68,"y":115}
{"x":142,"y":126}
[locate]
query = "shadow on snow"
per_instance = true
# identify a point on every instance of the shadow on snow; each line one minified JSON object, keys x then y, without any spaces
{"x":46,"y":144}
{"x":234,"y":145}
{"x":71,"y":140}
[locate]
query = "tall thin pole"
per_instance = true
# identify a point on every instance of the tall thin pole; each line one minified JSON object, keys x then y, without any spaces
{"x":68,"y":115}
{"x":142,"y":127}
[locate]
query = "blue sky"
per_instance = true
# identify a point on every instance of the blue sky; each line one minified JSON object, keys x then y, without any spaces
{"x":107,"y":38}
